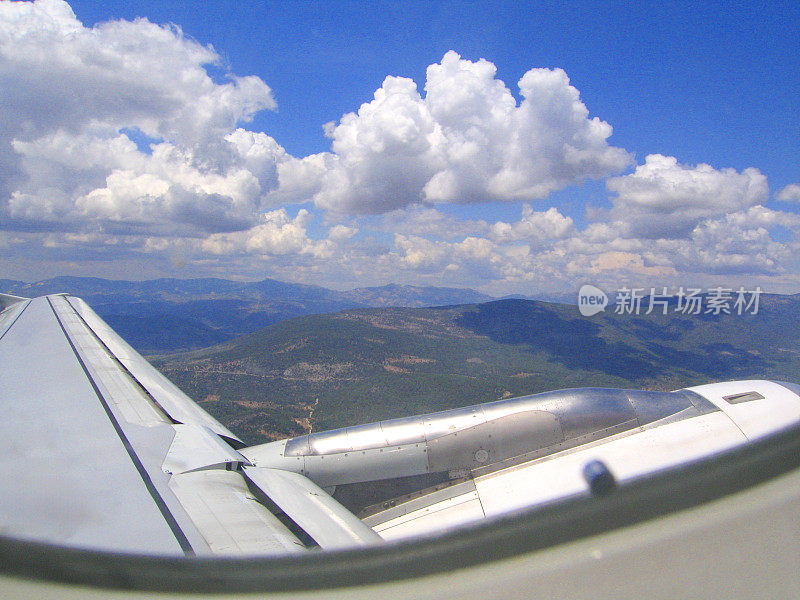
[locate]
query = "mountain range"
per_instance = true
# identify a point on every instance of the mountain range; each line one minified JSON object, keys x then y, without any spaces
{"x":167,"y":315}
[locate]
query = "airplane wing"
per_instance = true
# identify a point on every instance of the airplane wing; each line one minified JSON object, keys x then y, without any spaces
{"x":99,"y":450}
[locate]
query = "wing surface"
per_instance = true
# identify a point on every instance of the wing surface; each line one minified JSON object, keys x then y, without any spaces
{"x":99,"y":450}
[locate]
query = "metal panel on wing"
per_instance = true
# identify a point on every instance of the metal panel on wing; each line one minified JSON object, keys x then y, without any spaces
{"x":323,"y":518}
{"x":496,"y":440}
{"x":229,"y":517}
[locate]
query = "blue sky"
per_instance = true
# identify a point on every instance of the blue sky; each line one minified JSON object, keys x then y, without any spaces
{"x":716,"y":84}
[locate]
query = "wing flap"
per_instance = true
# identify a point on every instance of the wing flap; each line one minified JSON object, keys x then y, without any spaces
{"x":229,"y":517}
{"x":314,"y":510}
{"x":115,"y":385}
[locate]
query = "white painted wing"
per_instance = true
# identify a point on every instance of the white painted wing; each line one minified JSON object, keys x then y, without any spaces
{"x":99,"y":450}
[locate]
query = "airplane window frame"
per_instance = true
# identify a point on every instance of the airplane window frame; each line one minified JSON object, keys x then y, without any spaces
{"x":658,"y":494}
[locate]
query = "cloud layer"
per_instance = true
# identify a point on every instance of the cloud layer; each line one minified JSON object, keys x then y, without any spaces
{"x":116,"y":144}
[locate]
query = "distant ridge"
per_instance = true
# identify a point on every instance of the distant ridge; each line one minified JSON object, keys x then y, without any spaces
{"x":415,"y":297}
{"x":267,"y":289}
{"x":166,"y":315}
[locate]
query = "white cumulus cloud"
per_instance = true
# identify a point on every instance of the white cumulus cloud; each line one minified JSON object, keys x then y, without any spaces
{"x":471,"y":258}
{"x":790,"y":193}
{"x":665,"y":199}
{"x":72,"y":94}
{"x":466,"y":140}
{"x":537,"y":228}
{"x":278,"y":234}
